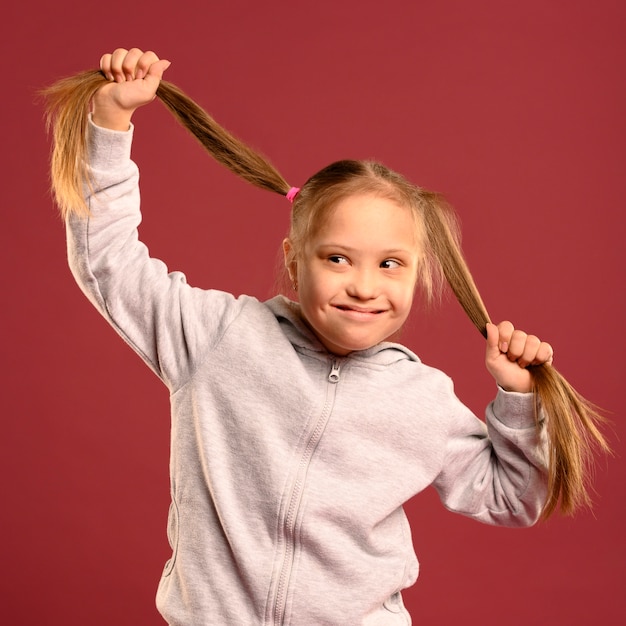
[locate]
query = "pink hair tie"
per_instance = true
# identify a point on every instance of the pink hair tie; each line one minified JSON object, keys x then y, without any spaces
{"x":291,"y":194}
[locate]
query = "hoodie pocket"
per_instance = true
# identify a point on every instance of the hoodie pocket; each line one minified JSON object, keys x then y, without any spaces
{"x":172,"y":537}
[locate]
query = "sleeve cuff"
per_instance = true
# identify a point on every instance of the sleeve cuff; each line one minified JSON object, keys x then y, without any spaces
{"x":108,"y":148}
{"x":514,"y":410}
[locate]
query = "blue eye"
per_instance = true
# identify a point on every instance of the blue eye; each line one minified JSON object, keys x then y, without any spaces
{"x":389,"y":264}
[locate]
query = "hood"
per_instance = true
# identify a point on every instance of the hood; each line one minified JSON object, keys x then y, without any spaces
{"x":287,"y":312}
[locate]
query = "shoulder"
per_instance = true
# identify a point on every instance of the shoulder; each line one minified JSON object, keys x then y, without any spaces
{"x":401,"y":372}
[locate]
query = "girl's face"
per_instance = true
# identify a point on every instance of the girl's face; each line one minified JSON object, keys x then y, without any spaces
{"x":356,"y":277}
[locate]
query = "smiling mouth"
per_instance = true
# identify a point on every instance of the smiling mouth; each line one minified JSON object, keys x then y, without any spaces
{"x":359,"y":310}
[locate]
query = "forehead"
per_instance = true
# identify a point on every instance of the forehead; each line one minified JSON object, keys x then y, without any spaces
{"x":369,"y":220}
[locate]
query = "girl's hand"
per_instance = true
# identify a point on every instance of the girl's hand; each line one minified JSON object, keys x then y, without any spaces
{"x":134,"y":77}
{"x":510,"y":352}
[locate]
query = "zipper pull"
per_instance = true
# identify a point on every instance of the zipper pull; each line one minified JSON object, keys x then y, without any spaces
{"x":333,"y":377}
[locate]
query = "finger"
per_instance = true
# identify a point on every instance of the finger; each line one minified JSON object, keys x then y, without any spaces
{"x":492,"y":335}
{"x":105,"y":66}
{"x":529,"y":352}
{"x":117,"y":58}
{"x":517,"y":343}
{"x":144,"y":62}
{"x":493,"y":348}
{"x":129,"y":63}
{"x":156,"y":70}
{"x":545,"y":354}
{"x":505,"y":330}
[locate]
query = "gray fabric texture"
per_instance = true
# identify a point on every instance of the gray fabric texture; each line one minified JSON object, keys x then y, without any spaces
{"x":287,"y":483}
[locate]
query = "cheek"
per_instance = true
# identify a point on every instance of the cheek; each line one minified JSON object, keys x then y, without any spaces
{"x":310,"y":288}
{"x":315,"y":281}
{"x":403,"y":296}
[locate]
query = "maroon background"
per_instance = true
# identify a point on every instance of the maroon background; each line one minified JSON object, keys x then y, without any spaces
{"x":514,"y":110}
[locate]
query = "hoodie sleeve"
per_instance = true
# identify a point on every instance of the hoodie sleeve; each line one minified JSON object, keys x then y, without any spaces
{"x":496,"y":474}
{"x":167,"y":322}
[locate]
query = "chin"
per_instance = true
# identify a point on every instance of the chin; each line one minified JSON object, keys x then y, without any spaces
{"x":356,"y":346}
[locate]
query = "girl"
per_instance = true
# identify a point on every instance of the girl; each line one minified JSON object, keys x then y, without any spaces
{"x":299,"y":429}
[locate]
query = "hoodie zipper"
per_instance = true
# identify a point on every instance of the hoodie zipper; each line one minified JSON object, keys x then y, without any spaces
{"x":291,"y":516}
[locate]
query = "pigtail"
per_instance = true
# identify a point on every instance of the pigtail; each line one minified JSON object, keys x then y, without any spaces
{"x":220,"y":144}
{"x":571,"y":421}
{"x":68,"y":102}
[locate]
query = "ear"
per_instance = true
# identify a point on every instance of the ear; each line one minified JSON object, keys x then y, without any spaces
{"x":290,"y":260}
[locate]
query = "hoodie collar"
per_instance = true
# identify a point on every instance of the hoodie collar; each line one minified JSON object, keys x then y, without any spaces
{"x":287,"y":312}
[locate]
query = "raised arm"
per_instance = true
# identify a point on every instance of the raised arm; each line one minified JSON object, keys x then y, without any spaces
{"x":167,"y":322}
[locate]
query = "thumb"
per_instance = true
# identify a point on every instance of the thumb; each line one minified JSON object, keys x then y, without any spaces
{"x":156,"y":71}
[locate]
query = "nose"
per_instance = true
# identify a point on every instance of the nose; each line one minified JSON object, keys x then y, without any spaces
{"x":363,"y":284}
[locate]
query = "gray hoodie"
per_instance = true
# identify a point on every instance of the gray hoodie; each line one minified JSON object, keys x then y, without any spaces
{"x":289,"y":466}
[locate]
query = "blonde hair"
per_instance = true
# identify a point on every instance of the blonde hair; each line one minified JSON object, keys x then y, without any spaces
{"x":325,"y":189}
{"x":571,"y":421}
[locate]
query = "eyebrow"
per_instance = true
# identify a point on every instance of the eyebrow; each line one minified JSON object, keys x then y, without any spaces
{"x":349,"y":249}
